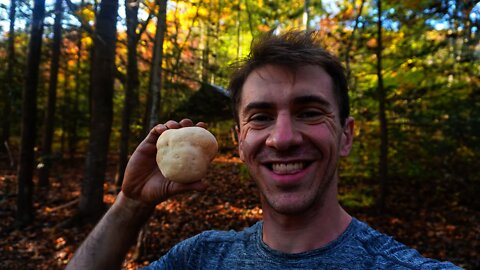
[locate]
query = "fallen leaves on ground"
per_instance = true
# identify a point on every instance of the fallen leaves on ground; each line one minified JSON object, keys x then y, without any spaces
{"x":443,"y":230}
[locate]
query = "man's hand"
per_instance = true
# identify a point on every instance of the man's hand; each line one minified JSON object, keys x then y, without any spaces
{"x":143,"y":187}
{"x":143,"y":180}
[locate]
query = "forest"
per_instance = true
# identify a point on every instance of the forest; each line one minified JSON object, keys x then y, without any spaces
{"x":83,"y":81}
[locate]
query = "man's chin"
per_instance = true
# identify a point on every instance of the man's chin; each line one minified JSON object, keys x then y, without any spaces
{"x":287,"y":207}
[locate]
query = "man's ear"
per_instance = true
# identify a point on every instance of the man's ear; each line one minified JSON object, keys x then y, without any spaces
{"x":240,"y":142}
{"x":347,"y":137}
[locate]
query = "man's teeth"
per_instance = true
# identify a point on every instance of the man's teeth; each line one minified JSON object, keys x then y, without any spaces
{"x":284,"y":168}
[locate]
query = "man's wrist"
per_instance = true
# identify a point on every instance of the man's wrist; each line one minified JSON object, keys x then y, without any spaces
{"x":133,"y":208}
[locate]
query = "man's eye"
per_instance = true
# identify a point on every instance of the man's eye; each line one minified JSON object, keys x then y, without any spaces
{"x":259,"y":118}
{"x":309,"y":114}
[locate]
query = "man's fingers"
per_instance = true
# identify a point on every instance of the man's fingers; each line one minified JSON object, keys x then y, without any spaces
{"x":186,"y":122}
{"x":171,"y":124}
{"x":202,"y":124}
{"x":177,"y":188}
{"x":155,"y":132}
{"x":161,"y":189}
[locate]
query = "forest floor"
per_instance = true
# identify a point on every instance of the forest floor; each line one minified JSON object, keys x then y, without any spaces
{"x":435,"y":225}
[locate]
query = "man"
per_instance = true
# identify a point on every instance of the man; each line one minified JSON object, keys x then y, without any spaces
{"x":292,"y":112}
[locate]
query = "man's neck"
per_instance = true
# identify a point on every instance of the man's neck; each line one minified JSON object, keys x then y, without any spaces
{"x":304,"y":232}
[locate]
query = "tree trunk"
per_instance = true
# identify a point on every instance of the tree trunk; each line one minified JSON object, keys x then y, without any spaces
{"x":9,"y":81}
{"x":250,"y":19}
{"x":306,"y":14}
{"x":154,"y":96}
{"x":206,"y":50}
{"x":52,"y":97}
{"x":383,"y":162}
{"x":25,"y":212}
{"x":131,"y":89}
{"x":102,"y":82}
{"x":153,"y":102}
{"x":350,"y":41}
{"x":64,"y":107}
{"x":178,"y":54}
{"x":73,"y":125}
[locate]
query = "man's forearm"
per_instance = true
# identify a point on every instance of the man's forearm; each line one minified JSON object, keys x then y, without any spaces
{"x":108,"y":243}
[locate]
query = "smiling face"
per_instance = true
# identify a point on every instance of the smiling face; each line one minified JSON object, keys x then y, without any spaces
{"x":290,"y":136}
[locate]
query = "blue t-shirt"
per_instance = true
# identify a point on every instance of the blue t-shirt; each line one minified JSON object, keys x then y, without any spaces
{"x":359,"y":247}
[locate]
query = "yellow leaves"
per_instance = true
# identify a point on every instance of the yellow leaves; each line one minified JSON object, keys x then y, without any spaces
{"x":151,"y":27}
{"x":150,"y":4}
{"x":434,"y":35}
{"x":409,"y":65}
{"x":187,"y":11}
{"x":86,"y":14}
{"x":87,"y":41}
{"x":171,"y":16}
{"x":349,"y":12}
{"x":69,"y":47}
{"x":202,"y":11}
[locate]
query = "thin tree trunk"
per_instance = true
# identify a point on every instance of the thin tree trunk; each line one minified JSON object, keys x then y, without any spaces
{"x":249,"y":14}
{"x":350,"y":41}
{"x":25,"y":212}
{"x":102,"y":82}
{"x":131,"y":89}
{"x":65,"y":110}
{"x":156,"y":69}
{"x":9,"y":80}
{"x":383,"y":162}
{"x":154,"y":95}
{"x":72,"y":136}
{"x":206,"y":50}
{"x":306,"y":14}
{"x":52,"y":97}
{"x":184,"y":43}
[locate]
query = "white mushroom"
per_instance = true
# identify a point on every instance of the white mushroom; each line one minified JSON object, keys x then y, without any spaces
{"x":184,"y":154}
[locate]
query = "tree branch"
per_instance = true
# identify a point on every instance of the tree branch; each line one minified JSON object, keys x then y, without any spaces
{"x":143,"y":25}
{"x":350,"y":39}
{"x":74,"y":9}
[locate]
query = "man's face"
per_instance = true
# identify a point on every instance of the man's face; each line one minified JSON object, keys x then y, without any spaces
{"x":290,"y":136}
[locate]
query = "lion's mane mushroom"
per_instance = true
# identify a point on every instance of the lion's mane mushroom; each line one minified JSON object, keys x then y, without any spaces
{"x":183,"y":154}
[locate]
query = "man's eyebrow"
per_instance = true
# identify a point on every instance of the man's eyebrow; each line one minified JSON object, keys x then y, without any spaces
{"x":311,"y":99}
{"x":258,"y":105}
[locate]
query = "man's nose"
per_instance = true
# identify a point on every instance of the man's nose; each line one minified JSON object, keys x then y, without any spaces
{"x":284,"y":134}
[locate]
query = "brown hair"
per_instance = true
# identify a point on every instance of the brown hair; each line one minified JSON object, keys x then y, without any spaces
{"x":291,"y":49}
